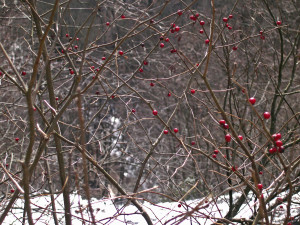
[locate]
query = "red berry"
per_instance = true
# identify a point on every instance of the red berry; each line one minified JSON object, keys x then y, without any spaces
{"x":77,"y":39}
{"x":274,"y":136}
{"x":162,"y":45}
{"x":272,"y":150}
{"x":71,"y":71}
{"x":202,"y":23}
{"x":207,"y":41}
{"x":121,"y":52}
{"x":252,"y":100}
{"x":278,"y":143}
{"x":0,"y":73}
{"x":152,"y":21}
{"x":227,"y":137}
{"x":193,"y":143}
{"x":222,"y":122}
{"x":145,"y":63}
{"x":133,"y":110}
{"x":175,"y":130}
{"x":281,"y":206}
{"x":161,"y":38}
{"x":103,"y":58}
{"x":197,"y":15}
{"x":172,"y":31}
{"x":233,"y":168}
{"x":167,"y":40}
{"x":260,"y":186}
{"x":67,"y":35}
{"x":278,"y":136}
{"x":281,"y":149}
{"x":267,"y":115}
{"x":107,"y":23}
{"x":97,"y":93}
{"x":193,"y":91}
{"x":229,"y":27}
{"x":234,"y":48}
{"x":278,"y":22}
{"x":216,"y":151}
{"x":151,"y":84}
{"x":262,"y":37}
{"x":154,"y":112}
{"x":177,"y":28}
{"x":225,"y":126}
{"x":23,"y":73}
{"x":123,"y":16}
{"x":76,"y":46}
{"x":179,"y":205}
{"x":225,"y":19}
{"x":230,"y":16}
{"x":179,"y":12}
{"x":92,"y":67}
{"x":214,"y":156}
{"x":166,"y":131}
{"x":56,"y":98}
{"x":141,"y":70}
{"x":169,"y":94}
{"x":260,"y":172}
{"x":17,"y":139}
{"x":193,"y":17}
{"x":12,"y":191}
{"x":201,"y":31}
{"x":240,"y":137}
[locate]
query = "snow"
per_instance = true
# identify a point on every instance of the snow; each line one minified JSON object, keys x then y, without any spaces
{"x":106,"y":212}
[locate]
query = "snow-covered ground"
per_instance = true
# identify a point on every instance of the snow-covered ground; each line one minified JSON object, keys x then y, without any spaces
{"x":163,"y":213}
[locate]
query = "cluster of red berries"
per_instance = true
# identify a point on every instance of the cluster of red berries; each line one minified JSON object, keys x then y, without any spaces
{"x":216,"y":151}
{"x":278,"y":148}
{"x":174,"y":28}
{"x":194,"y":17}
{"x":226,"y":19}
{"x":262,"y":36}
{"x":166,"y":131}
{"x":173,"y":50}
{"x":224,"y":124}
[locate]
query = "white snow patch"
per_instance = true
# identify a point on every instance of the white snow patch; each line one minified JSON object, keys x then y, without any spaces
{"x":106,"y":212}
